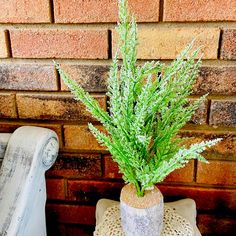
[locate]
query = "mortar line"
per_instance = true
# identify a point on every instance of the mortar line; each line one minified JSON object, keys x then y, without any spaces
{"x":8,"y":43}
{"x":51,"y":10}
{"x":208,"y":111}
{"x":161,"y":10}
{"x":211,"y":63}
{"x":106,"y":26}
{"x":220,"y":44}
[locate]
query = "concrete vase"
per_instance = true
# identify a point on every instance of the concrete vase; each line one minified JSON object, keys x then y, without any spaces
{"x":141,"y":216}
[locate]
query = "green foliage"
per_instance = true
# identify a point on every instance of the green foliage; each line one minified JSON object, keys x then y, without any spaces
{"x":148,"y":105}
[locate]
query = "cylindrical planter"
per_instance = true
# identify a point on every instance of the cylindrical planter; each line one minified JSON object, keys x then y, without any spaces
{"x":141,"y":216}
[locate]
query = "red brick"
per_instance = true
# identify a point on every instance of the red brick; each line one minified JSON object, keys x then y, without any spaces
{"x":228,"y":49}
{"x":184,"y":174}
{"x":76,"y":166}
{"x":55,"y":189}
{"x":79,"y":230}
{"x":191,"y":10}
{"x":206,"y":198}
{"x":223,"y":113}
{"x":85,"y":11}
{"x":92,"y":191}
{"x":92,"y":78}
{"x":54,"y":107}
{"x":217,"y":224}
{"x":167,"y":43}
{"x":24,"y":11}
{"x":7,"y":105}
{"x":200,"y":115}
{"x":216,"y":81}
{"x":111,"y":169}
{"x":10,"y":127}
{"x":217,"y":172}
{"x":72,"y":214}
{"x":53,"y":227}
{"x":80,"y":137}
{"x":225,"y":149}
{"x":3,"y":44}
{"x":74,"y":43}
{"x":28,"y":77}
{"x":181,"y":175}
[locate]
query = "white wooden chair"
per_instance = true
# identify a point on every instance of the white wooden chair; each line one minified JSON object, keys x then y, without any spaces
{"x":27,"y":154}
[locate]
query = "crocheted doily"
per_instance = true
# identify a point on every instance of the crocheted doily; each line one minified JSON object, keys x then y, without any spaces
{"x":173,"y":224}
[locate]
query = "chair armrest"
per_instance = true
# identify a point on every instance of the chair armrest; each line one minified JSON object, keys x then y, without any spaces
{"x":30,"y":152}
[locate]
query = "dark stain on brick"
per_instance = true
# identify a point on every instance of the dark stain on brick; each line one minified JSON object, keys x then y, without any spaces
{"x":54,"y":107}
{"x":223,"y":113}
{"x":93,"y":78}
{"x":27,"y":77}
{"x":228,"y":50}
{"x":4,"y":76}
{"x":216,"y":81}
{"x":224,"y":150}
{"x":91,"y":191}
{"x":77,"y":166}
{"x":200,"y":115}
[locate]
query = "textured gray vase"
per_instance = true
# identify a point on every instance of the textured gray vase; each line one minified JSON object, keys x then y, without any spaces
{"x":141,"y":216}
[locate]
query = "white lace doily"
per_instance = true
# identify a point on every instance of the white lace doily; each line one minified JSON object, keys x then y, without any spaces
{"x":173,"y":224}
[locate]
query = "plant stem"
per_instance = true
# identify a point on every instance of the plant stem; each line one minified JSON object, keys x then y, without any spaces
{"x":139,"y":189}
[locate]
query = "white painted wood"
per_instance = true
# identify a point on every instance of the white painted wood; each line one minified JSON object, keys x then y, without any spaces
{"x":4,"y":138}
{"x":30,"y":152}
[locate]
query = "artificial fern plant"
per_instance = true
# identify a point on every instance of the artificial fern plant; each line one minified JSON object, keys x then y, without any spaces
{"x":147,"y":105}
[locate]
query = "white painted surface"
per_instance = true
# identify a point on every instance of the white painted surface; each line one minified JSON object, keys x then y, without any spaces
{"x":4,"y":138}
{"x":29,"y":153}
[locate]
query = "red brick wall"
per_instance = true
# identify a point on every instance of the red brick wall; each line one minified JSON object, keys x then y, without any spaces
{"x":80,"y":35}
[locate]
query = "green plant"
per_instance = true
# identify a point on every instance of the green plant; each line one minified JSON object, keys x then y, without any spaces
{"x":148,"y":105}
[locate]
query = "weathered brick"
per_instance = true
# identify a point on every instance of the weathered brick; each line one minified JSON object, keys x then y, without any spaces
{"x":228,"y":49}
{"x":10,"y":127}
{"x":71,"y":214}
{"x":200,"y":115}
{"x":92,"y":191}
{"x":55,"y":189}
{"x":223,"y":112}
{"x":191,"y":10}
{"x":225,"y":149}
{"x":3,"y":44}
{"x":92,"y":78}
{"x":80,"y":137}
{"x":216,"y":81}
{"x":7,"y":105}
{"x":216,"y":224}
{"x":217,"y":172}
{"x":24,"y":11}
{"x":86,"y":11}
{"x":184,"y":174}
{"x":53,"y":43}
{"x":206,"y":198}
{"x":167,"y":43}
{"x":54,"y":107}
{"x":111,"y":169}
{"x":28,"y":77}
{"x":77,"y":166}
